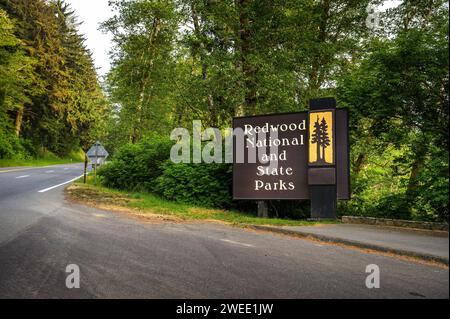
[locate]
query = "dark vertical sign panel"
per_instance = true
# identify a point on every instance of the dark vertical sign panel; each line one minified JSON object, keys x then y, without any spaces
{"x":342,"y":155}
{"x":287,"y":177}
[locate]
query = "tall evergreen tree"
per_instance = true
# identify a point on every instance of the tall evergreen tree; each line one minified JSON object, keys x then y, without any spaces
{"x":317,"y":139}
{"x":16,"y":77}
{"x":63,"y":99}
{"x":325,"y":142}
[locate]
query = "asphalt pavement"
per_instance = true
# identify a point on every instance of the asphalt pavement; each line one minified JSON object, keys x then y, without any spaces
{"x":423,"y":244}
{"x":120,"y":257}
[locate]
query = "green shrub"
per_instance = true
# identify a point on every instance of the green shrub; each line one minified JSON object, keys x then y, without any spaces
{"x":136,"y":166}
{"x":431,"y":196}
{"x":210,"y":185}
{"x":200,"y":184}
{"x":146,"y":167}
{"x":10,"y":146}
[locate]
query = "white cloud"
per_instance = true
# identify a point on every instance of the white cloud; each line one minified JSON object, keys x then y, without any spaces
{"x":92,"y":13}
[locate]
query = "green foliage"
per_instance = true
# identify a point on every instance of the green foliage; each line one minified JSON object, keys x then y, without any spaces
{"x":136,"y":166}
{"x":143,"y":74}
{"x":431,"y":194}
{"x":43,"y":160}
{"x":10,"y":146}
{"x":50,"y":98}
{"x":15,"y":69}
{"x":398,"y":98}
{"x":145,"y":167}
{"x":200,"y":184}
{"x":178,"y":61}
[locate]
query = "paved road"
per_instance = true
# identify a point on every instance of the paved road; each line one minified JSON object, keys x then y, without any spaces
{"x":419,"y":242}
{"x":120,"y":257}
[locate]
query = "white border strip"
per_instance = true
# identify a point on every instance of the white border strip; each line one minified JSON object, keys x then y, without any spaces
{"x":50,"y":188}
{"x":236,"y":243}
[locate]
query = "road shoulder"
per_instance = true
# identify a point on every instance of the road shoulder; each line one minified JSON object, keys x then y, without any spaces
{"x":421,"y":246}
{"x":391,"y":240}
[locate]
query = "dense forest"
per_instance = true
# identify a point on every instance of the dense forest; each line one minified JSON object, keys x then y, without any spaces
{"x":50,"y":99}
{"x":175,"y":61}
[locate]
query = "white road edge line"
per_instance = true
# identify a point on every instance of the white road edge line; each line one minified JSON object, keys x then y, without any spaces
{"x":51,"y":171}
{"x":236,"y":243}
{"x":50,"y":188}
{"x":23,"y":176}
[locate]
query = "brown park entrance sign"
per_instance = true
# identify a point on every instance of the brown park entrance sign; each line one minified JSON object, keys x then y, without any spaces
{"x":261,"y":180}
{"x":303,"y":155}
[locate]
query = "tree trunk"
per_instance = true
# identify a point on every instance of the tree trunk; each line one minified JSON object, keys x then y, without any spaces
{"x":199,"y":35}
{"x":421,"y":149}
{"x":212,"y":111}
{"x":315,"y":78}
{"x":148,"y":65}
{"x":415,"y":171}
{"x":244,"y":48}
{"x":318,"y":152}
{"x":359,"y":163}
{"x":18,"y":122}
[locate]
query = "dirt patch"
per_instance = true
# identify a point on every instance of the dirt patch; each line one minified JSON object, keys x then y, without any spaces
{"x":97,"y":198}
{"x":203,"y":211}
{"x":117,"y":203}
{"x":104,"y":201}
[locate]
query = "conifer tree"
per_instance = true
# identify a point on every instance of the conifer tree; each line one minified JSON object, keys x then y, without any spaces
{"x":317,"y":139}
{"x":325,"y":141}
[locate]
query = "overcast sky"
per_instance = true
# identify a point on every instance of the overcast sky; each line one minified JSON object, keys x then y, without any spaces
{"x":93,"y":12}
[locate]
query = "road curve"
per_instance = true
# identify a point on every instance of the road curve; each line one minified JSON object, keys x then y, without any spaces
{"x":119,"y":257}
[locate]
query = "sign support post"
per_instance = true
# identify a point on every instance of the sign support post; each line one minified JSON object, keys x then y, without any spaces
{"x":322,"y":159}
{"x":97,"y":155}
{"x":85,"y":168}
{"x":263,"y":209}
{"x":95,"y":165}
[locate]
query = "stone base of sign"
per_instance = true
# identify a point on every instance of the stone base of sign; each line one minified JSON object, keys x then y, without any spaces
{"x":321,"y":219}
{"x":395,"y":222}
